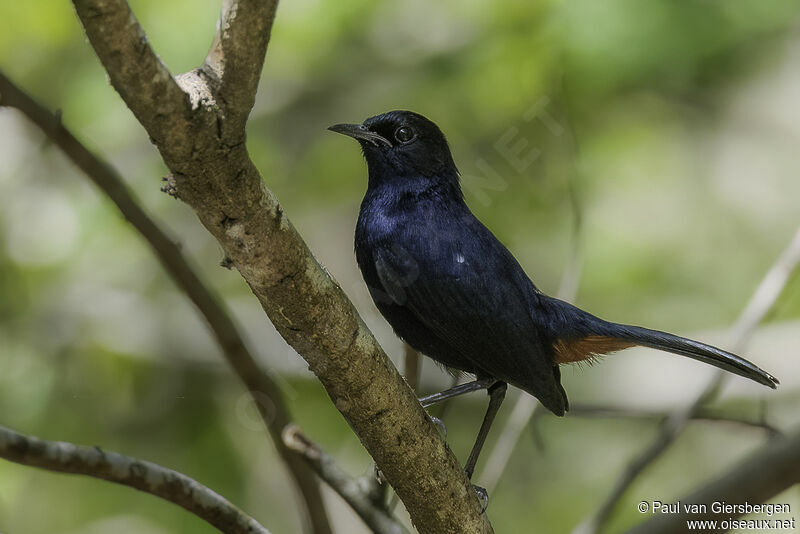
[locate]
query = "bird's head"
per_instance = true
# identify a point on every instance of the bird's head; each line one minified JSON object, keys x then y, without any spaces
{"x":401,"y":144}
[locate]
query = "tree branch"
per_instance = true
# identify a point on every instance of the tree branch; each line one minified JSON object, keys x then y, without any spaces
{"x":671,"y":428}
{"x":218,"y":179}
{"x":144,"y":476}
{"x":236,"y":56}
{"x":758,"y":306}
{"x":412,"y":366}
{"x":262,"y":387}
{"x":770,"y":470}
{"x":700,"y":415}
{"x":137,"y":74}
{"x":348,"y":488}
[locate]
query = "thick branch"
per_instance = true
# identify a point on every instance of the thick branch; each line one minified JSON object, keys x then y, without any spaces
{"x":137,"y":74}
{"x":139,"y":474}
{"x":314,"y":316}
{"x":770,"y":470}
{"x":236,"y":56}
{"x":348,"y":488}
{"x":262,"y":387}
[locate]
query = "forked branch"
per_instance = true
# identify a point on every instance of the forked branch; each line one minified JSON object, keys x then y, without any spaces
{"x":217,"y":178}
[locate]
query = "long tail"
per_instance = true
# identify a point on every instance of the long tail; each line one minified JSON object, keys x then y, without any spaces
{"x":580,"y":335}
{"x":693,"y":349}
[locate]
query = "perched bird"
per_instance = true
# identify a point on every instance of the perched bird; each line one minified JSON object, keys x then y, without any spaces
{"x":453,"y":292}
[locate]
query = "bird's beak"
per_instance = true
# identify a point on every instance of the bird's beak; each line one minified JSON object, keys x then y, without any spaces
{"x":360,"y":132}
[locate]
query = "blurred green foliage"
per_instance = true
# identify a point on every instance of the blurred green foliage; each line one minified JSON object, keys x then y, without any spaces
{"x":676,"y":123}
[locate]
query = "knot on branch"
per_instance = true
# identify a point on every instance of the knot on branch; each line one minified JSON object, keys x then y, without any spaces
{"x":198,"y":86}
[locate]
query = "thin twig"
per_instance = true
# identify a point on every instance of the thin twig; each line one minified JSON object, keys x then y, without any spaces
{"x":526,"y":405}
{"x":758,"y":306}
{"x":767,"y":292}
{"x":628,"y":413}
{"x":771,"y":430}
{"x":614,"y":412}
{"x":144,"y":476}
{"x":413,"y":366}
{"x":262,"y":387}
{"x":353,"y":491}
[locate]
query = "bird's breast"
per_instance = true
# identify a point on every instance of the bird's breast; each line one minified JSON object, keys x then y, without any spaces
{"x":420,"y":238}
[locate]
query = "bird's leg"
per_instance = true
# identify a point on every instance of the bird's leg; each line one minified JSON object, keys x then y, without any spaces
{"x":475,"y":385}
{"x":454,"y":391}
{"x":497,"y":392}
{"x":440,"y":425}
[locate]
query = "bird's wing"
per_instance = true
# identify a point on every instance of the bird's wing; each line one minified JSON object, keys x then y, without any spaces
{"x":472,"y":294}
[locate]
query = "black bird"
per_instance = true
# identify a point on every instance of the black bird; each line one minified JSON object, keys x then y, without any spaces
{"x":453,"y":292}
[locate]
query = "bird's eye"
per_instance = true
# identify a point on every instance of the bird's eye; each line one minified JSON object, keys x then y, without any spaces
{"x":404,"y":134}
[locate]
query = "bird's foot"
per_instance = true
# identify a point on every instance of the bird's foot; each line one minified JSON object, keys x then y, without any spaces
{"x":483,"y":497}
{"x":440,"y":425}
{"x":378,"y":474}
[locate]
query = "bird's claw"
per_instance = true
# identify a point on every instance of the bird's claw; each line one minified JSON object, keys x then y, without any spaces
{"x":483,"y":497}
{"x":378,"y":474}
{"x":440,"y":425}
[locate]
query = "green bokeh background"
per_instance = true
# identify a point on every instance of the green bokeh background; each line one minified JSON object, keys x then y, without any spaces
{"x":674,"y":122}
